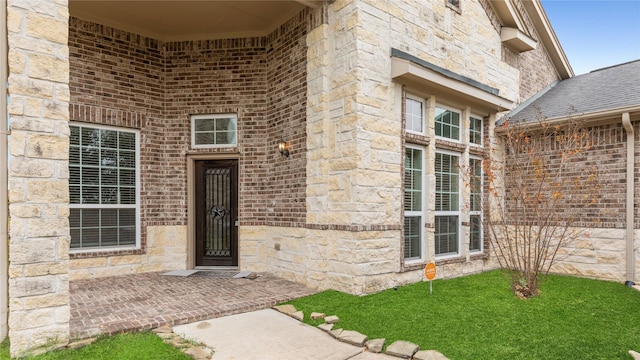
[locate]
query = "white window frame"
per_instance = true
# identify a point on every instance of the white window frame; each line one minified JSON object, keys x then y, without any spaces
{"x":461,"y":130}
{"x":481,"y":131}
{"x":477,"y":212}
{"x":457,"y":213}
{"x":194,"y":118}
{"x":423,"y":123}
{"x":421,"y":212}
{"x":136,"y":206}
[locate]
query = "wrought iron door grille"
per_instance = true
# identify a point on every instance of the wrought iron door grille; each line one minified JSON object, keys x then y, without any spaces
{"x":217,"y":231}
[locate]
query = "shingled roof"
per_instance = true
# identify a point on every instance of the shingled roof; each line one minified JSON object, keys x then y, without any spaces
{"x":615,"y":87}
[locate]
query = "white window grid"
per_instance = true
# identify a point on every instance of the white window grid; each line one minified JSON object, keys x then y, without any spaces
{"x":414,"y":114}
{"x":452,"y":211}
{"x":475,"y":204}
{"x":219,"y":136}
{"x":448,"y":123}
{"x":414,"y":203}
{"x":99,"y":205}
{"x":475,"y":130}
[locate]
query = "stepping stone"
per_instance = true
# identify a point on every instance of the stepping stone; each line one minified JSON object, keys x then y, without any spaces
{"x":335,"y":333}
{"x":163,"y":329}
{"x":331,"y":319}
{"x":429,"y":355}
{"x":326,"y":327}
{"x":286,"y":309}
{"x":635,"y":355}
{"x":352,"y":337}
{"x":403,"y":349}
{"x":298,"y":315}
{"x":317,"y":315}
{"x":375,"y":345}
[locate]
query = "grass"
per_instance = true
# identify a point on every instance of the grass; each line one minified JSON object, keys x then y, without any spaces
{"x":478,"y":317}
{"x":125,"y":346}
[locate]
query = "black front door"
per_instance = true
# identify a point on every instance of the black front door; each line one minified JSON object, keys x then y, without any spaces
{"x":216,"y":212}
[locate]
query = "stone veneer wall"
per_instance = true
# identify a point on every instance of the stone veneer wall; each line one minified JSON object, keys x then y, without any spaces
{"x":38,"y":175}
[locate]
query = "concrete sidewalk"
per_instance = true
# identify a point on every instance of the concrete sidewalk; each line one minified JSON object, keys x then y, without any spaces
{"x":269,"y":335}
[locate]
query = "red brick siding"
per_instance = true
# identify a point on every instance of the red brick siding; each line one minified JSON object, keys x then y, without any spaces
{"x":122,"y":79}
{"x":608,"y":154}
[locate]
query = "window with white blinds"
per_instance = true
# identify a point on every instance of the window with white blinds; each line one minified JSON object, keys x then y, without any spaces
{"x":447,"y":229}
{"x":413,"y":203}
{"x":475,"y":204}
{"x":103,"y":187}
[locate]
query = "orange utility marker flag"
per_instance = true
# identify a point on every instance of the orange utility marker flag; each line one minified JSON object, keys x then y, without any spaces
{"x":430,"y":274}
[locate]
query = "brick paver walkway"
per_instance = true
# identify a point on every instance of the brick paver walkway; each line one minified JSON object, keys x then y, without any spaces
{"x":146,"y":301}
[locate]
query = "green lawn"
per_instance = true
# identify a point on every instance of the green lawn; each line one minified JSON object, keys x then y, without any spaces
{"x":477,"y":317}
{"x":127,"y":346}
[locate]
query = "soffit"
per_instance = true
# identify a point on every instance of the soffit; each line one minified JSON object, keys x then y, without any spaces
{"x":173,"y":20}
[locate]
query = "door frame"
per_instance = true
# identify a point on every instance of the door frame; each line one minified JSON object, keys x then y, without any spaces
{"x":191,"y":201}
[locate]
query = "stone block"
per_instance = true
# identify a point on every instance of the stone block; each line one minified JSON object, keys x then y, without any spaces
{"x":47,"y":227}
{"x":52,"y":268}
{"x":331,"y":319}
{"x":46,"y":301}
{"x":326,"y":327}
{"x":352,"y":337}
{"x":48,"y":191}
{"x":124,"y":260}
{"x":48,"y":146}
{"x":403,"y":349}
{"x":375,"y":345}
{"x":287,"y":309}
{"x":31,"y":168}
{"x":87,"y":263}
{"x":335,"y":333}
{"x":46,"y":27}
{"x":32,"y":251}
{"x":298,"y":315}
{"x":317,"y":315}
{"x":429,"y":355}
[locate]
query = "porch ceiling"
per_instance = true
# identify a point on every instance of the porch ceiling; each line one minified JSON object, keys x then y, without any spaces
{"x":174,"y":20}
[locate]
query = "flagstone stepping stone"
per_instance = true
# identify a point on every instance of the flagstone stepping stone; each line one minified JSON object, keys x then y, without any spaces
{"x":352,"y":337}
{"x":286,"y":309}
{"x":375,"y":345}
{"x":298,"y":315}
{"x":326,"y":327}
{"x":317,"y":315}
{"x":403,"y":349}
{"x":331,"y":319}
{"x":429,"y":355}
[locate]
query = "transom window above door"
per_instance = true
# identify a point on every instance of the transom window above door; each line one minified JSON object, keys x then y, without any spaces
{"x":214,"y":130}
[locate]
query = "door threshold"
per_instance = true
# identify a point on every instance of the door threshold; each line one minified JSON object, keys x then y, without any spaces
{"x":215,"y":268}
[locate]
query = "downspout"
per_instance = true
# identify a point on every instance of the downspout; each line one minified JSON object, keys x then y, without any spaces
{"x":4,"y":201}
{"x":630,"y":241}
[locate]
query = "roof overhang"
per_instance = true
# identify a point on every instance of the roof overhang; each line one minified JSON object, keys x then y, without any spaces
{"x":594,"y":118}
{"x":180,"y":20}
{"x":411,"y":71}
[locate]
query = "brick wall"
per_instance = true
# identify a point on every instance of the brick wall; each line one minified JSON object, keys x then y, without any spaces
{"x":608,"y":155}
{"x":123,"y":79}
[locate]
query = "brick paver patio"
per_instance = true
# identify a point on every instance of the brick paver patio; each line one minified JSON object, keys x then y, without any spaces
{"x":146,"y":301}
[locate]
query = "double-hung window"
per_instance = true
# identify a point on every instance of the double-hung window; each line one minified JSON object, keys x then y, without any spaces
{"x":414,"y":114}
{"x":447,"y":216}
{"x":413,"y":203}
{"x":447,"y":123}
{"x":475,"y":204}
{"x":103,"y":187}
